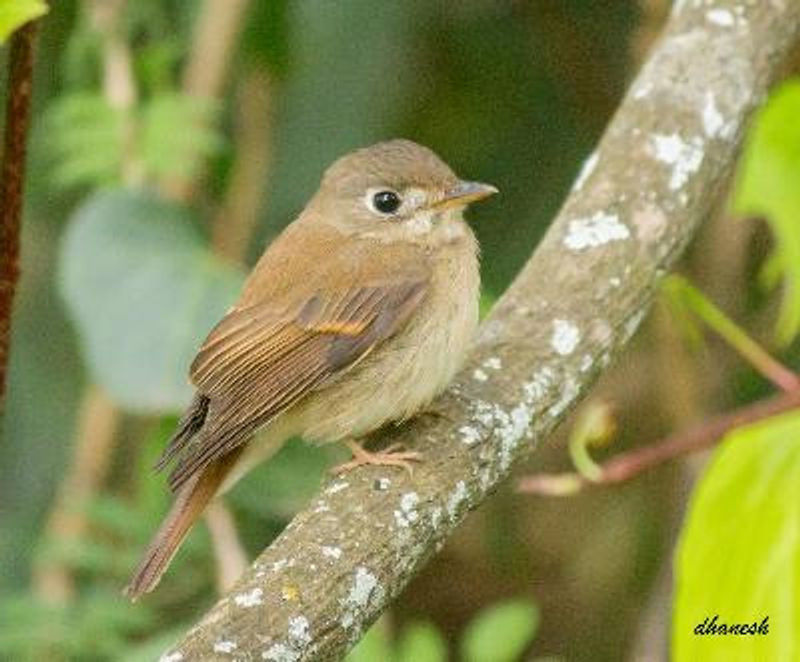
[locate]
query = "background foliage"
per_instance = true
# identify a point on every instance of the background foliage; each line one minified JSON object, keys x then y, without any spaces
{"x":126,"y":267}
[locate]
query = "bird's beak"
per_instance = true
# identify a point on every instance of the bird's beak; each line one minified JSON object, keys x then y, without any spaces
{"x":463,"y":194}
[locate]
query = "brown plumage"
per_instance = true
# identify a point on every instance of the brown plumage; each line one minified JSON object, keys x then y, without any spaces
{"x":353,"y":317}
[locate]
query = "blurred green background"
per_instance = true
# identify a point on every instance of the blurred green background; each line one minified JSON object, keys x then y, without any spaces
{"x":171,"y":141}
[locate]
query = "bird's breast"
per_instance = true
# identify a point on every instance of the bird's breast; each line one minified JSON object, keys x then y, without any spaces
{"x":402,"y":375}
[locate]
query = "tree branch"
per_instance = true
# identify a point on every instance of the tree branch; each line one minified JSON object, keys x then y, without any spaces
{"x":628,"y":465}
{"x":12,"y":178}
{"x":636,"y":205}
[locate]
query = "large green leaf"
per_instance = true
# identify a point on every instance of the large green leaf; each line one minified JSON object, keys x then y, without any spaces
{"x":144,"y":292}
{"x":13,"y":13}
{"x":739,"y":554}
{"x":769,"y":185}
{"x":500,"y":633}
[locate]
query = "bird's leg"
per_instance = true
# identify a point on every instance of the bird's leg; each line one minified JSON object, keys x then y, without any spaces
{"x":393,"y":456}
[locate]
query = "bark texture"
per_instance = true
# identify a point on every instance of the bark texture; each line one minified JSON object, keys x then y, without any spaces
{"x":635,"y":206}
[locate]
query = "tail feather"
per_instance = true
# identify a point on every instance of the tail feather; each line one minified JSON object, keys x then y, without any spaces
{"x":189,"y":425}
{"x":190,"y":501}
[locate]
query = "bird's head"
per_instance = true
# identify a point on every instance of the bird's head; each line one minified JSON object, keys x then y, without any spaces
{"x":395,"y":191}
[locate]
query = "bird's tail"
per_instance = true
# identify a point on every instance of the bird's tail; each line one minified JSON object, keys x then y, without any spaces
{"x":190,"y":501}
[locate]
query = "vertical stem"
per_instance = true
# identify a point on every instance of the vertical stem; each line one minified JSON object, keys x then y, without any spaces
{"x":98,"y":423}
{"x":234,"y":223}
{"x":749,"y":349}
{"x":12,"y":179}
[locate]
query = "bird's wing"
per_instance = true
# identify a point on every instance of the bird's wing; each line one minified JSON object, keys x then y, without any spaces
{"x":256,"y":363}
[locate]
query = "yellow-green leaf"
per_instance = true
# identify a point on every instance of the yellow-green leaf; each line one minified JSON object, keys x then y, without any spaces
{"x":739,"y":553}
{"x":14,"y":13}
{"x":769,"y":186}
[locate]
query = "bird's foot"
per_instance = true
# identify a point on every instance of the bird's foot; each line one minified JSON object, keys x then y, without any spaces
{"x":393,"y":456}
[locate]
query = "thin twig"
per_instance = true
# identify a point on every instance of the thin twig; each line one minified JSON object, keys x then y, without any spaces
{"x":213,"y":44}
{"x":234,"y":223}
{"x":12,"y":178}
{"x":733,"y":334}
{"x":628,"y":465}
{"x":229,"y":553}
{"x":89,"y":464}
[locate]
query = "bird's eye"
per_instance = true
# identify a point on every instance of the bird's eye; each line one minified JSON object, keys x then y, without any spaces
{"x":386,"y":202}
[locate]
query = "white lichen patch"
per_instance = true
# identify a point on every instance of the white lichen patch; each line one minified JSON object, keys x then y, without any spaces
{"x":569,"y":391}
{"x":469,"y":435}
{"x":642,"y":90}
{"x":542,"y":382}
{"x":280,"y":653}
{"x":332,"y":552}
{"x":713,"y":121}
{"x":479,"y":375}
{"x":721,"y":17}
{"x":586,"y":363}
{"x":383,"y":484}
{"x":493,"y":363}
{"x":407,"y":514}
{"x":280,"y":564}
{"x":456,"y":499}
{"x":596,"y":230}
{"x":565,"y":337}
{"x":436,"y":517}
{"x":175,"y":656}
{"x":299,"y":633}
{"x":224,"y":646}
{"x":250,"y":598}
{"x":364,"y":591}
{"x":337,"y":487}
{"x":586,"y":171}
{"x":684,"y":158}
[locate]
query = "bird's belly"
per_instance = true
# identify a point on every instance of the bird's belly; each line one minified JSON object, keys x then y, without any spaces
{"x":400,"y":377}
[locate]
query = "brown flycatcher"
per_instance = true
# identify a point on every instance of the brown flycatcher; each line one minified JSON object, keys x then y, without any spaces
{"x":358,"y":314}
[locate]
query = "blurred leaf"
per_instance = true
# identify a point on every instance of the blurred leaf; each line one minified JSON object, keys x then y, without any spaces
{"x":95,"y":627}
{"x":143,"y":292}
{"x":738,"y":553}
{"x":176,"y":133}
{"x":374,"y":645}
{"x":500,"y":633}
{"x":85,"y":136}
{"x":14,"y":13}
{"x":421,"y":642}
{"x":769,"y":185}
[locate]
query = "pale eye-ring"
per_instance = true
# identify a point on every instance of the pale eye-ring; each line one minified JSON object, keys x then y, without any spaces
{"x":385,"y":201}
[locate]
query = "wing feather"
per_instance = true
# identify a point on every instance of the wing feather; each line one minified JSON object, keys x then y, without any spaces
{"x":257,"y":362}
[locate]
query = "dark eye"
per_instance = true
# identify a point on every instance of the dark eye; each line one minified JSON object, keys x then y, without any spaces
{"x":386,"y":202}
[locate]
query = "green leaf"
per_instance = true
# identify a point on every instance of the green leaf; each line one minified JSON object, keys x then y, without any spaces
{"x":143,"y":291}
{"x":501,"y":633}
{"x":85,"y":138}
{"x":15,"y":13}
{"x":374,"y":645}
{"x":769,"y":185}
{"x":176,"y":133}
{"x":421,"y":642}
{"x":738,"y":554}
